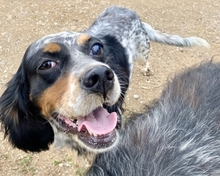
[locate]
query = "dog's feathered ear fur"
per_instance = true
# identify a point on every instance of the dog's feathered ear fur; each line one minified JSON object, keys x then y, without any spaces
{"x":21,"y":120}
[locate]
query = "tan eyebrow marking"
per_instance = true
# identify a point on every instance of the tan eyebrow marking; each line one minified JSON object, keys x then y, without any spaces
{"x":52,"y":48}
{"x":82,"y":39}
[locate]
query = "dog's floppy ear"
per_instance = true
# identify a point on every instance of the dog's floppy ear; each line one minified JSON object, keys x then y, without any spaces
{"x":21,"y":120}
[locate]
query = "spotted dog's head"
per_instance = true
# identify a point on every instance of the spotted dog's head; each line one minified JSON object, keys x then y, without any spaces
{"x":69,"y":88}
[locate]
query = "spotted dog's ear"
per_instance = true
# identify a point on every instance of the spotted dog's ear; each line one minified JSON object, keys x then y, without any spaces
{"x":25,"y":127}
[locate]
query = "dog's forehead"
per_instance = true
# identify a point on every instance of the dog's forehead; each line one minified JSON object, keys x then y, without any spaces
{"x":65,"y":38}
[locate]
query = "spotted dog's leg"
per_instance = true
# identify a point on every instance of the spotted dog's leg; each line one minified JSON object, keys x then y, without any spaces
{"x":142,"y":52}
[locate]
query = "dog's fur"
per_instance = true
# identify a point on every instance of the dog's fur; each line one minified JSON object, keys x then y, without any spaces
{"x":69,"y":77}
{"x":180,"y":135}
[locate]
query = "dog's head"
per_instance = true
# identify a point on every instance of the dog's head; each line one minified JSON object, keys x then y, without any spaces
{"x":69,"y":87}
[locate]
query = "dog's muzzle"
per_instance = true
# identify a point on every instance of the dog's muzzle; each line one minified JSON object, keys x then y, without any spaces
{"x":97,"y":129}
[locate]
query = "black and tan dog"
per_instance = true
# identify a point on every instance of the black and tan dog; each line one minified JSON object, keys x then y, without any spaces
{"x":70,"y":86}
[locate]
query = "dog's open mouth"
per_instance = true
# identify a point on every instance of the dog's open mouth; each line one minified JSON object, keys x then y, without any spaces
{"x":96,"y":130}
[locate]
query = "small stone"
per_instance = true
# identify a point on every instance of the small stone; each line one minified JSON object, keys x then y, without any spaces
{"x":136,"y":96}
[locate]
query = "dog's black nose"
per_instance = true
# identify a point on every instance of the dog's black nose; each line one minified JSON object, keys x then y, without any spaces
{"x":98,"y":80}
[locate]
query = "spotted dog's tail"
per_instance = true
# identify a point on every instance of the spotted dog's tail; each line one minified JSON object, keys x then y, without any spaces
{"x":160,"y":37}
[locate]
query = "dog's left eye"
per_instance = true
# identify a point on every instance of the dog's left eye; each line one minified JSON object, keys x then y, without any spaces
{"x":96,"y":50}
{"x":47,"y":65}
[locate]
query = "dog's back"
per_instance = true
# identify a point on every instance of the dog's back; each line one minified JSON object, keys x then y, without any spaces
{"x":180,"y":135}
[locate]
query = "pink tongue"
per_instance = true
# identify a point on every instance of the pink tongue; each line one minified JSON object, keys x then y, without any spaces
{"x":98,"y":122}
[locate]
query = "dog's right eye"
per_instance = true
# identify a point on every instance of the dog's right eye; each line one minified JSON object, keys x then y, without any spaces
{"x":96,"y":50}
{"x":47,"y":65}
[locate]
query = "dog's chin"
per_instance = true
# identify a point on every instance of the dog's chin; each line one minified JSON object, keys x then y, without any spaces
{"x":96,"y":131}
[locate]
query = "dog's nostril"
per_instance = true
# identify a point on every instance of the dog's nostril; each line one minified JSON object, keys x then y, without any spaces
{"x":99,"y":80}
{"x":109,"y":75}
{"x":91,"y":80}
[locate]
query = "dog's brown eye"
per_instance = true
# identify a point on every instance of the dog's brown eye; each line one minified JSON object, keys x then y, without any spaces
{"x":47,"y":65}
{"x":96,"y":50}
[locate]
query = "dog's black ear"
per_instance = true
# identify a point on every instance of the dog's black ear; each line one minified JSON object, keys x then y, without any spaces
{"x":21,"y":120}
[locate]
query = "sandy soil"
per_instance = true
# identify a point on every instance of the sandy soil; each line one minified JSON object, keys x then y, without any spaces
{"x":21,"y":22}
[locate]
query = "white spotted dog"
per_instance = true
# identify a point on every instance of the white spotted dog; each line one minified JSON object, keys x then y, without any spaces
{"x":70,"y":87}
{"x":134,"y":35}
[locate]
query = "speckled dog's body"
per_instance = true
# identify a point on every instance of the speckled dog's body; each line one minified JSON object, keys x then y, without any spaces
{"x":178,"y":136}
{"x":70,"y":86}
{"x":135,"y":35}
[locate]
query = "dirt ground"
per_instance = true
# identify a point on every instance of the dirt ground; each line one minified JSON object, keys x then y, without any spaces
{"x":21,"y":22}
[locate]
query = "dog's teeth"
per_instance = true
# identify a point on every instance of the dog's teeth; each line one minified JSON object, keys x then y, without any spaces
{"x":90,"y":133}
{"x":95,"y":135}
